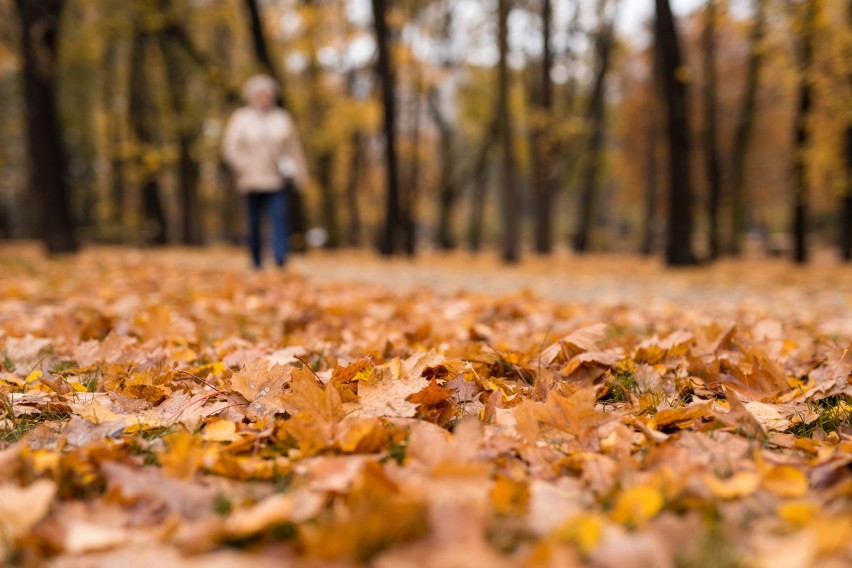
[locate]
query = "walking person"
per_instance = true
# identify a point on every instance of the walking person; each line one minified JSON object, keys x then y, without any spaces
{"x":262,"y":148}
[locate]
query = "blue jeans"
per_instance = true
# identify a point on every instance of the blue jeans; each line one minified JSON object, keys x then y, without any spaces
{"x":273,"y":204}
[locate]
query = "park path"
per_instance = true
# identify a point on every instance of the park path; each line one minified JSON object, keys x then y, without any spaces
{"x":819,"y":293}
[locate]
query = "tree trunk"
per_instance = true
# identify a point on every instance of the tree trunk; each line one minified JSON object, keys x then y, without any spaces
{"x":409,"y":204}
{"x":447,"y":192}
{"x":114,"y":120}
{"x":353,"y":237}
{"x":745,"y":126}
{"x":142,"y":117}
{"x":711,"y":148}
{"x":39,"y":35}
{"x":393,"y":235}
{"x":480,"y":188}
{"x":260,"y":46}
{"x":595,"y":118}
{"x":321,"y":151}
{"x":541,"y":142}
{"x":800,"y":182}
{"x":679,"y":230}
{"x":511,"y":196}
{"x":649,"y":233}
{"x":230,"y":203}
{"x":190,"y":232}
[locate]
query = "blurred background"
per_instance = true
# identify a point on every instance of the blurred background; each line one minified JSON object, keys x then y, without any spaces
{"x":691,"y":129}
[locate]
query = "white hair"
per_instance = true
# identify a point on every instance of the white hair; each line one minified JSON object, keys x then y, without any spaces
{"x":259,"y":83}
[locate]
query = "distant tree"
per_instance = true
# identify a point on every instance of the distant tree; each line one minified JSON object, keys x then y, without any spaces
{"x":800,"y":179}
{"x":187,"y":129}
{"x":679,"y":230}
{"x":480,"y":186}
{"x":353,"y":230}
{"x":394,"y":233}
{"x":745,"y":126}
{"x":114,"y":126}
{"x":511,"y":197}
{"x":711,"y":143}
{"x":412,"y":179}
{"x":596,"y":121}
{"x":321,"y":152}
{"x":143,"y":117}
{"x":652,"y":173}
{"x":447,"y":192}
{"x":542,"y":143}
{"x":40,"y":23}
{"x":262,"y":53}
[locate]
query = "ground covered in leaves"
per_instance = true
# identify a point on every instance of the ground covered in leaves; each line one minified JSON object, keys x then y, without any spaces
{"x":172,"y":409}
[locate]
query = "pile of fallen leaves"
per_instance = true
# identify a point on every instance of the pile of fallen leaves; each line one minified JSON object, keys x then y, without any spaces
{"x":154,"y":415}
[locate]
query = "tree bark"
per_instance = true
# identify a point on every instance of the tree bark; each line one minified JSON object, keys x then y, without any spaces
{"x":652,"y":174}
{"x":745,"y":126}
{"x":679,"y":230}
{"x":259,"y":44}
{"x":190,"y":232}
{"x":40,"y":22}
{"x":800,"y":182}
{"x":541,"y":141}
{"x":409,"y":202}
{"x":480,"y":188}
{"x":447,"y":192}
{"x":115,"y":119}
{"x":595,"y":118}
{"x":142,"y":117}
{"x":511,"y":196}
{"x":711,"y":148}
{"x":393,"y":235}
{"x":353,"y":236}
{"x":321,"y":152}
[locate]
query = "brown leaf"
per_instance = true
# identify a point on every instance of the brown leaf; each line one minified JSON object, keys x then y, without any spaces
{"x":345,"y":379}
{"x":262,"y":386}
{"x":432,"y":394}
{"x":21,"y":508}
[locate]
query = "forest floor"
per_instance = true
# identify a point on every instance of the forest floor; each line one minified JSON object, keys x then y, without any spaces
{"x":173,"y":408}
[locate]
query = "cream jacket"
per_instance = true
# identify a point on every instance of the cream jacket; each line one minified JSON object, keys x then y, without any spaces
{"x":254,"y":142}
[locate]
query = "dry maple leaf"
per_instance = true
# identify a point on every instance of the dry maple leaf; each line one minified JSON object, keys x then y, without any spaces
{"x":580,"y":341}
{"x":575,"y":414}
{"x":22,"y":507}
{"x":387,"y":397}
{"x":315,"y":412}
{"x":262,"y":386}
{"x":345,"y":379}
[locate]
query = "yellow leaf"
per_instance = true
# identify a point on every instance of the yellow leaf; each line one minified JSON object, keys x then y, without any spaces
{"x":741,"y":484}
{"x":785,"y":481}
{"x":34,"y":376}
{"x":637,"y":505}
{"x":509,"y":497}
{"x":798,"y":512}
{"x":832,"y":534}
{"x":182,"y":457}
{"x":220,"y":431}
{"x":44,"y":461}
{"x":585,"y":530}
